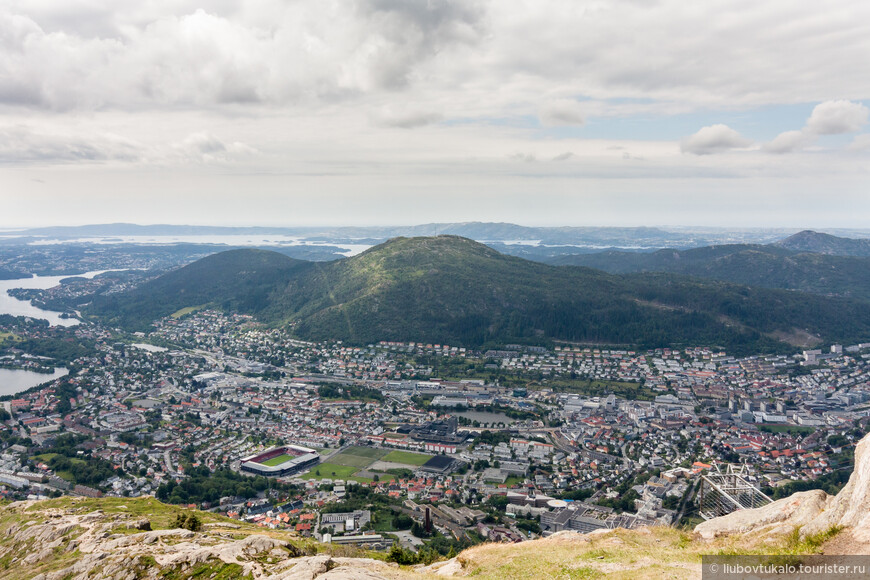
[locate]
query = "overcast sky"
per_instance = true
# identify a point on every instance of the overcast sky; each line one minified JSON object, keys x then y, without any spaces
{"x":538,"y":112}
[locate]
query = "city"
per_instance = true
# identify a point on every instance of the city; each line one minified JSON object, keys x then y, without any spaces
{"x":535,"y":440}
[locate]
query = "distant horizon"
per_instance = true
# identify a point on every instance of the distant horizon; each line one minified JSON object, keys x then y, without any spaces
{"x":327,"y":225}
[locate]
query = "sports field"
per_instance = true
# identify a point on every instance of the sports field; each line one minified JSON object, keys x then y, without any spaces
{"x":372,"y":452}
{"x":358,"y":456}
{"x":351,"y":464}
{"x":276,"y":460}
{"x":330,"y":470}
{"x":407,"y":458}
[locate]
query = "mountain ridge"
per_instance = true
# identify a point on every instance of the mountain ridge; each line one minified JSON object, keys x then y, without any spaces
{"x":773,"y":266}
{"x":454,"y":290}
{"x":821,"y":243}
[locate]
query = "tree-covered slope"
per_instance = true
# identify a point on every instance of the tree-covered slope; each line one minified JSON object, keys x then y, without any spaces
{"x":752,"y":265}
{"x":234,"y":280}
{"x":451,"y":289}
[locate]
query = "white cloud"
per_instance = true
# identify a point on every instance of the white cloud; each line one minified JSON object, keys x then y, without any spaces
{"x":788,"y":142}
{"x":465,"y":56}
{"x":860,"y":142}
{"x":562,"y":112}
{"x":22,"y":144}
{"x":828,"y":118}
{"x":837,"y":117}
{"x":289,"y":92}
{"x":206,"y":148}
{"x":310,"y":50}
{"x":524,"y":157}
{"x":714,"y":139}
{"x":406,"y":119}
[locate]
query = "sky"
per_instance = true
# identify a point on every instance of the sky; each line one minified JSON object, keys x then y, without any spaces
{"x":386,"y":112}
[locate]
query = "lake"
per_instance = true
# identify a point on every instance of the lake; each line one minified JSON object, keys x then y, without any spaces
{"x":16,"y":307}
{"x":15,"y":381}
{"x":348,"y":249}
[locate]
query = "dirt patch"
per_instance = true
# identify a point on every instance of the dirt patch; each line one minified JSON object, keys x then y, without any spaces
{"x":385,"y":465}
{"x":660,"y":306}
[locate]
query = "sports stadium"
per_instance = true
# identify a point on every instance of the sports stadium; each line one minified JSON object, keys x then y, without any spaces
{"x":280,"y":461}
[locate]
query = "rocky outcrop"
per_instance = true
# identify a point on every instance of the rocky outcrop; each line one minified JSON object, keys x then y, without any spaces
{"x":779,"y":517}
{"x":813,"y":512}
{"x":851,"y":507}
{"x":55,"y":544}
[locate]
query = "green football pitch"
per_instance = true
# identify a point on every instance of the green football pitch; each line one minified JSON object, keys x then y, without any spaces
{"x":277,"y":460}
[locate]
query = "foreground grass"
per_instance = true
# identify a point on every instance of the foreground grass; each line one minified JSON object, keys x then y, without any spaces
{"x":646,"y":553}
{"x":161,"y":515}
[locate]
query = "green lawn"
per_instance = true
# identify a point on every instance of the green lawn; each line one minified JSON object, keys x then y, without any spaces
{"x":184,"y":311}
{"x":331,"y":471}
{"x":351,"y":460}
{"x":277,"y":460}
{"x":46,"y":457}
{"x":8,"y":336}
{"x":372,"y":452}
{"x":382,"y":520}
{"x":514,"y":480}
{"x":358,"y":456}
{"x":407,"y":457}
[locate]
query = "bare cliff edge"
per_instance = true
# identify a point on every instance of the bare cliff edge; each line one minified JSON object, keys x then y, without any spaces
{"x":811,"y":512}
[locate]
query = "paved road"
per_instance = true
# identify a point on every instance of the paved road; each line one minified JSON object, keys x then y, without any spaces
{"x":167,"y":459}
{"x":685,"y":503}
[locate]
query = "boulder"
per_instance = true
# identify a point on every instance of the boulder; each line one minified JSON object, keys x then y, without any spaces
{"x":775,"y":518}
{"x":851,"y":507}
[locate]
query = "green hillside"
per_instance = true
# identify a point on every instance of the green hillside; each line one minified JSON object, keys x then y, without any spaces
{"x":238,"y":280}
{"x":770,"y":266}
{"x":451,"y":289}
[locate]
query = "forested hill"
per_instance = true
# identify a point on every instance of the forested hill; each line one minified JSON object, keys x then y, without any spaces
{"x":451,"y":289}
{"x":768,"y":266}
{"x":235,"y":280}
{"x":820,"y":243}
